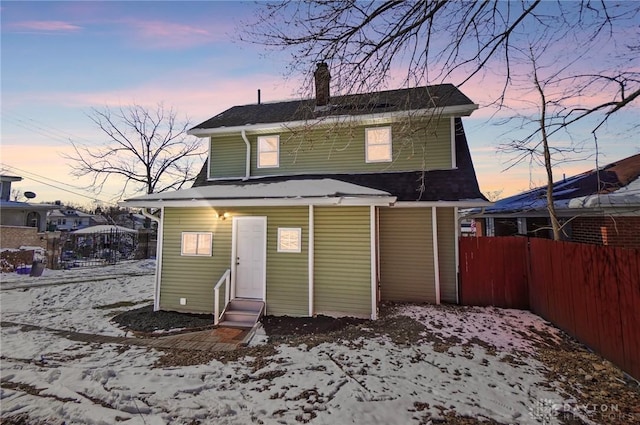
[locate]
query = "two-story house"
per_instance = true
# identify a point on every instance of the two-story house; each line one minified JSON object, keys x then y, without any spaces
{"x":68,"y":219}
{"x":322,"y":206}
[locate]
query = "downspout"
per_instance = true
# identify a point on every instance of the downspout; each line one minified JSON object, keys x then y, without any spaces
{"x":150,"y":216}
{"x":247,"y":172}
{"x":156,"y":297}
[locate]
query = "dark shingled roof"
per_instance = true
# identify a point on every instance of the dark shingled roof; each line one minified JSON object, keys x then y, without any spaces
{"x":608,"y":179}
{"x":356,"y":104}
{"x":439,"y":185}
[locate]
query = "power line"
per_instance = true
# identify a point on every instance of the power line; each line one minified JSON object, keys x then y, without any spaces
{"x":41,"y":128}
{"x":47,"y":183}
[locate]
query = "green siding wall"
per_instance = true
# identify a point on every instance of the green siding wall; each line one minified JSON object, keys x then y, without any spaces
{"x":287,"y":272}
{"x":416,"y":146}
{"x":342,"y":278}
{"x":227,"y":157}
{"x":406,"y":255}
{"x":194,"y":277}
{"x":447,"y":253}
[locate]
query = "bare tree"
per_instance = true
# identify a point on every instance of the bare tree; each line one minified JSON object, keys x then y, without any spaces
{"x":148,"y":148}
{"x":493,"y":195}
{"x":434,"y":41}
{"x":16,"y":194}
{"x":583,"y":57}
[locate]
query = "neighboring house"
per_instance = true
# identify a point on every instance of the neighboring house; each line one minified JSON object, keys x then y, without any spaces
{"x":67,"y":219}
{"x":131,"y":220}
{"x":98,"y":220}
{"x":600,"y":206}
{"x":322,"y":206}
{"x":21,"y":214}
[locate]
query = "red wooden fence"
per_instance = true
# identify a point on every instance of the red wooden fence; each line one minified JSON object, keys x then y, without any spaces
{"x":591,"y":292}
{"x":493,"y":271}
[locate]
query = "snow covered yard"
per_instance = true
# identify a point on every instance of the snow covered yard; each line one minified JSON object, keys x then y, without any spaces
{"x":420,"y":364}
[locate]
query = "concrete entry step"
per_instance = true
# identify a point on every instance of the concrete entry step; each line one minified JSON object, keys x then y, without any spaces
{"x":244,"y":304}
{"x":242,"y":313}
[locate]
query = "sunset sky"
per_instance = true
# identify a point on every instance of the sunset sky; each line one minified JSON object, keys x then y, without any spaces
{"x":60,"y":59}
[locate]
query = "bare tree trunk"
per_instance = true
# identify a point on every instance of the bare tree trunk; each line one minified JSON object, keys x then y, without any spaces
{"x":555,"y":224}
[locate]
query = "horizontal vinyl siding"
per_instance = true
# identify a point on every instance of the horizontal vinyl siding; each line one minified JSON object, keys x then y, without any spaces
{"x":192,"y":278}
{"x":447,"y":254}
{"x":195,"y":277}
{"x":406,"y":255}
{"x":342,"y":149}
{"x":287,"y":272}
{"x":228,"y":156}
{"x":342,"y":278}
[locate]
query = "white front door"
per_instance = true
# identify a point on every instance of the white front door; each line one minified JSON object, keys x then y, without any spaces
{"x":250,"y":237}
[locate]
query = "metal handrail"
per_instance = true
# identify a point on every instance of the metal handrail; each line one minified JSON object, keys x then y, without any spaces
{"x":216,"y":295}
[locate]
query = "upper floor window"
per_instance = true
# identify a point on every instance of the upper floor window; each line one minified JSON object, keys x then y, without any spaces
{"x":268,"y":151}
{"x":378,"y":144}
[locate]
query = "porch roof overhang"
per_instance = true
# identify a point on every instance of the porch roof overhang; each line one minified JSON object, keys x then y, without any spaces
{"x":284,"y":193}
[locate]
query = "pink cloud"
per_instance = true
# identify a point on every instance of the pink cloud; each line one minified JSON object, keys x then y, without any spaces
{"x":46,"y":26}
{"x":161,"y":34}
{"x":197,"y":94}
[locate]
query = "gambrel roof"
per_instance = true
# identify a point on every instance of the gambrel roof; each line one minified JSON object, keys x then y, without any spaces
{"x":452,"y":185}
{"x":384,"y":102}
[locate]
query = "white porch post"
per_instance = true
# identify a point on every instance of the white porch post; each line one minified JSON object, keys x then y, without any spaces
{"x":436,"y":265}
{"x":159,"y":243}
{"x":311,"y":259}
{"x":374,"y":264}
{"x":457,"y":252}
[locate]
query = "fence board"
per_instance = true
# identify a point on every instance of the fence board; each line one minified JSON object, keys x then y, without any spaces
{"x":592,"y":292}
{"x":485,"y":281}
{"x":630,"y":316}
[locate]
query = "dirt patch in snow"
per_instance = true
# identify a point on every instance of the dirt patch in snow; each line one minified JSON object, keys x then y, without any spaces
{"x":144,"y":320}
{"x":602,"y":393}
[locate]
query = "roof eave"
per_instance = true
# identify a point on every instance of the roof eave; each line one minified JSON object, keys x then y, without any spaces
{"x":462,"y":203}
{"x":456,"y":111}
{"x":262,"y":202}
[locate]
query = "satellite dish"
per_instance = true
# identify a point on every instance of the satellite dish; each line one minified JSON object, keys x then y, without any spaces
{"x":29,"y":195}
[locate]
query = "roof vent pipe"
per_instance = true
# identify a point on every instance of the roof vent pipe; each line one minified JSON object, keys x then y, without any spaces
{"x":322,"y":78}
{"x":258,"y":96}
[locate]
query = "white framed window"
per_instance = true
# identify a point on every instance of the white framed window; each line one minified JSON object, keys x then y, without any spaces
{"x":289,"y":239}
{"x":268,"y":151}
{"x":378,"y":144}
{"x":197,"y":243}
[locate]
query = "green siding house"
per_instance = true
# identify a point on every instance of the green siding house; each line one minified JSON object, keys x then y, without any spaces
{"x":328,"y":205}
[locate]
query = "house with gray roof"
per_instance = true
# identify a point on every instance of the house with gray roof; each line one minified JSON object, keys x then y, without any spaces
{"x":19,"y":213}
{"x":600,"y":206}
{"x":329,"y":205}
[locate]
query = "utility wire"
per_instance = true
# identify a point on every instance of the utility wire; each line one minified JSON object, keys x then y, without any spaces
{"x":41,"y":128}
{"x":48,"y":180}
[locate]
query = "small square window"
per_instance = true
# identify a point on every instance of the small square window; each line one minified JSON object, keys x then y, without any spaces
{"x":197,"y":243}
{"x":378,"y":144}
{"x":289,"y":239}
{"x":268,"y":151}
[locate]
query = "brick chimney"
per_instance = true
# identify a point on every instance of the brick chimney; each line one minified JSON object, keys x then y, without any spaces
{"x":322,"y":77}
